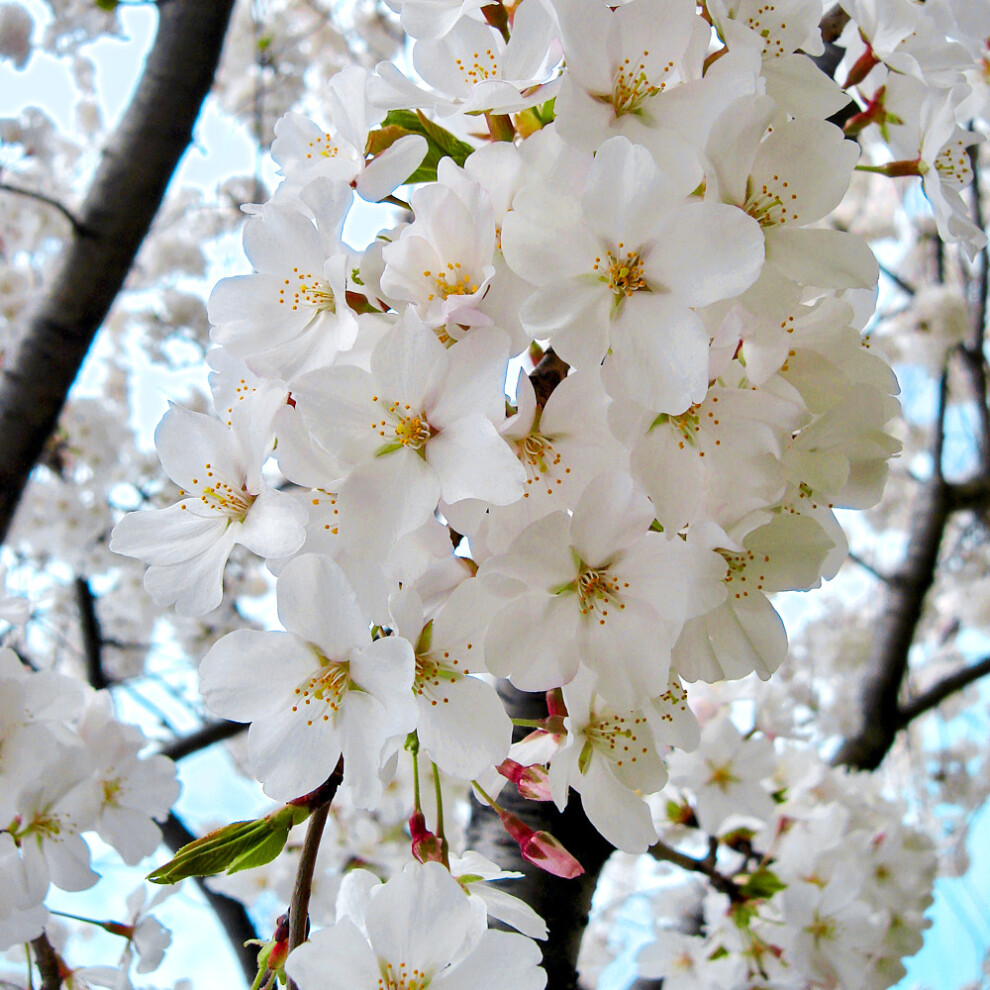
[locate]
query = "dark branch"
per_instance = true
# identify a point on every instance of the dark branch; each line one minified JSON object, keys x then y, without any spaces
{"x":547,"y":375}
{"x":202,"y":738}
{"x":833,"y":24}
{"x":47,"y":959}
{"x":230,"y":913}
{"x":869,"y":568}
{"x":972,"y":354}
{"x":116,"y":214}
{"x":905,"y":287}
{"x":91,"y":636}
{"x":943,"y":689}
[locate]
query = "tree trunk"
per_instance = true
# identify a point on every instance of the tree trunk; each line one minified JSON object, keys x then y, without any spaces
{"x":122,"y":201}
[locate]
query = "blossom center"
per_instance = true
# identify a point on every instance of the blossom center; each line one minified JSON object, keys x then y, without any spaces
{"x":482,"y":67}
{"x":622,"y":272}
{"x":952,"y":164}
{"x":722,"y":776}
{"x":329,"y":685}
{"x":323,"y":146}
{"x":400,"y":426}
{"x":434,"y":675}
{"x":401,"y":977}
{"x":451,"y":282}
{"x":765,"y":207}
{"x":632,"y":87}
{"x":228,"y":500}
{"x":306,"y":289}
{"x":541,"y":461}
{"x":111,"y":788}
{"x":598,"y":590}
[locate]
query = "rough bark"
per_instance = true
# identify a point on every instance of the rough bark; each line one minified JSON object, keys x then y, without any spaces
{"x":115,"y":216}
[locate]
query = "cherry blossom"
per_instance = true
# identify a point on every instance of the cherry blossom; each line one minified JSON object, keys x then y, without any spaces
{"x":419,"y":929}
{"x":330,"y":691}
{"x":225,"y":501}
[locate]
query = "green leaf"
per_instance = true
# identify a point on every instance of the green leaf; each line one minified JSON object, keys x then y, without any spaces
{"x":762,"y":885}
{"x":233,"y":847}
{"x":108,"y":5}
{"x":440,"y":142}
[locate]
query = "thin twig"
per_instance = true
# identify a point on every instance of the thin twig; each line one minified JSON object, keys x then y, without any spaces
{"x":660,"y":850}
{"x":972,"y":354}
{"x":938,"y":440}
{"x":941,"y":690}
{"x":78,"y":227}
{"x":869,"y":568}
{"x":901,"y":284}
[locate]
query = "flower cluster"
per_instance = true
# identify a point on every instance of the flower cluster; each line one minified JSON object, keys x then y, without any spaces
{"x":67,"y":766}
{"x":828,"y":886}
{"x":642,"y":231}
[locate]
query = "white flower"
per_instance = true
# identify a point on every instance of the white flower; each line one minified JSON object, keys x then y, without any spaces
{"x":291,"y":314}
{"x":133,"y":790}
{"x":619,"y":270}
{"x":610,"y":758}
{"x":462,"y":724}
{"x":725,"y":774}
{"x":600,"y":589}
{"x":420,"y":426}
{"x":318,"y":691}
{"x":226,"y":502}
{"x":418,"y":930}
{"x":305,"y":151}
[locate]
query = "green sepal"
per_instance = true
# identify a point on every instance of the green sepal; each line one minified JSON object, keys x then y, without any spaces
{"x":762,"y":885}
{"x":234,"y":847}
{"x":584,"y":760}
{"x":425,"y":639}
{"x":108,"y":5}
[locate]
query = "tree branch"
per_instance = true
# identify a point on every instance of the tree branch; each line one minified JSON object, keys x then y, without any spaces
{"x":47,"y":959}
{"x":943,"y":689}
{"x":91,"y":636}
{"x":230,"y":913}
{"x":209,"y":734}
{"x":116,"y":214}
{"x":661,"y":851}
{"x":320,"y":801}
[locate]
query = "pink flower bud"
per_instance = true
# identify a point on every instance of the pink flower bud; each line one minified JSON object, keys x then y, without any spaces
{"x":532,"y":781}
{"x":426,"y":846}
{"x":541,"y":848}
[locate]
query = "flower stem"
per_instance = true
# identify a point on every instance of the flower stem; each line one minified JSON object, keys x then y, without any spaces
{"x":439,"y":795}
{"x":299,"y":905}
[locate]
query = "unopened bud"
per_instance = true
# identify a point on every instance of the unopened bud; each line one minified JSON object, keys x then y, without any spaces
{"x":533,"y":781}
{"x":541,"y":848}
